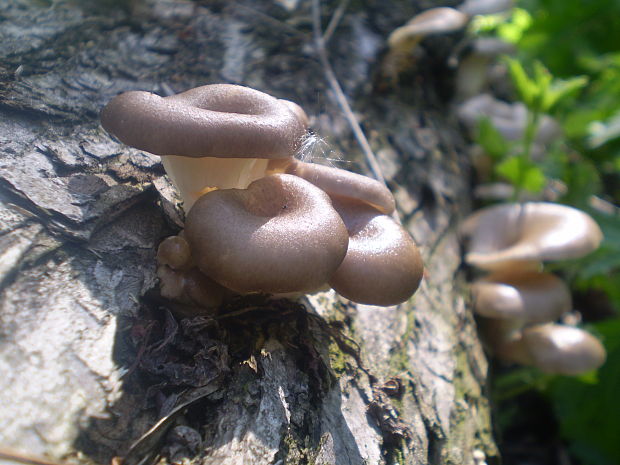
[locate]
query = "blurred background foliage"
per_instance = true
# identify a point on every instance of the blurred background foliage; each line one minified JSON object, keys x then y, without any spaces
{"x":568,"y":65}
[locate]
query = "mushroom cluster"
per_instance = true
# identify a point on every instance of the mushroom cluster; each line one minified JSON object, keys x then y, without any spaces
{"x":259,"y":221}
{"x":518,"y":301}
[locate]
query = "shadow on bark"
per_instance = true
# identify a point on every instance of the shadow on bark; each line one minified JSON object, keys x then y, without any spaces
{"x":254,"y":376}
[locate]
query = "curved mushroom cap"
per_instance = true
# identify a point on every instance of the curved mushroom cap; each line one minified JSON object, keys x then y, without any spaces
{"x":342,"y":183}
{"x":501,"y":235}
{"x":562,"y":349}
{"x":219,"y":120}
{"x":383,"y":265}
{"x":524,"y":295}
{"x":440,"y":20}
{"x":279,"y":235}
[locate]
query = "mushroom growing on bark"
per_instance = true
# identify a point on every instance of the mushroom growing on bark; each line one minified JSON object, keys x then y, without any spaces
{"x":513,"y":240}
{"x":279,"y":235}
{"x":552,"y":348}
{"x":440,"y":20}
{"x":525,"y":234}
{"x":383,"y":265}
{"x":215,"y":136}
{"x":402,"y":42}
{"x":249,"y":230}
{"x":342,"y":183}
{"x":525,"y":296}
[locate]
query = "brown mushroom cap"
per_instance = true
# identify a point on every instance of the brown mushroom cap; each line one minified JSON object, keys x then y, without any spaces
{"x":219,"y":120}
{"x":562,"y":349}
{"x":527,"y":296}
{"x":440,"y":20}
{"x":552,"y":348}
{"x":501,"y":235}
{"x":383,"y":265}
{"x":342,"y":183}
{"x":279,"y":235}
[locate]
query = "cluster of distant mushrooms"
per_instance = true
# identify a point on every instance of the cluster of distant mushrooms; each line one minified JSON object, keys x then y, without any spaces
{"x":518,"y":303}
{"x":258,"y":221}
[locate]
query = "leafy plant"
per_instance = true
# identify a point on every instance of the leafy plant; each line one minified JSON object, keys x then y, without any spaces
{"x":579,"y":85}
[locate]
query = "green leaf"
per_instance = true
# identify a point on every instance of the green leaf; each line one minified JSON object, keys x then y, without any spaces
{"x":513,"y":29}
{"x":589,"y":414}
{"x":491,"y":139}
{"x":522,"y":173}
{"x":543,"y":78}
{"x":527,"y":89}
{"x":560,"y":89}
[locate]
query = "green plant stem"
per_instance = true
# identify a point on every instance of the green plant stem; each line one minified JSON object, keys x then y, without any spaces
{"x":533,"y":116}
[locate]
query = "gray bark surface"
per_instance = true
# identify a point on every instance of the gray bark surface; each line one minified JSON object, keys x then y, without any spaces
{"x":90,"y":355}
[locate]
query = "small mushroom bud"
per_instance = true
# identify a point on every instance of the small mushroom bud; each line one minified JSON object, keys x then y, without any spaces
{"x":191,"y":288}
{"x":474,"y":69}
{"x":174,"y":251}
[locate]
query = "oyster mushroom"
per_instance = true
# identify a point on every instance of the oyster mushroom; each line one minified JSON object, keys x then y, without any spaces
{"x":383,"y":265}
{"x":525,"y":296}
{"x":215,"y":136}
{"x":342,"y":183}
{"x":553,"y":348}
{"x":280,"y":235}
{"x":524,"y":234}
{"x":440,"y":20}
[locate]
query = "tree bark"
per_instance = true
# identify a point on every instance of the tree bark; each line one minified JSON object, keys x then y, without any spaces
{"x":92,"y":358}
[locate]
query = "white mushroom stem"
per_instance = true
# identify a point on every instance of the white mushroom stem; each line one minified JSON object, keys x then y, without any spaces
{"x":193,"y":177}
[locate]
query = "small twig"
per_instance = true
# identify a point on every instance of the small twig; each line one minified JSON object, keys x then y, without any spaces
{"x":371,"y":160}
{"x":16,"y":456}
{"x":335,"y":21}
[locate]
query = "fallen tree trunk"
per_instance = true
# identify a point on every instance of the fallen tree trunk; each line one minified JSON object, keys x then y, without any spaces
{"x":92,"y":359}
